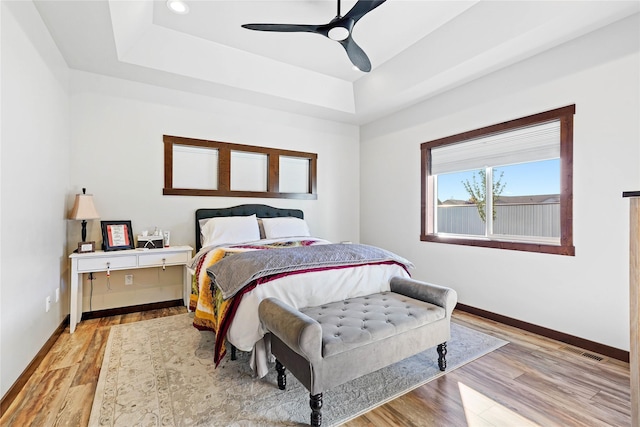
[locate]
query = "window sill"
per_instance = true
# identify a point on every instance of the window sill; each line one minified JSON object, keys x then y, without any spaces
{"x":568,"y":250}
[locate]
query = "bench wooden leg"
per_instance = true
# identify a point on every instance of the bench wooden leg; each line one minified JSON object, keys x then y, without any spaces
{"x":282,"y":375}
{"x":442,"y":352}
{"x":315,"y":402}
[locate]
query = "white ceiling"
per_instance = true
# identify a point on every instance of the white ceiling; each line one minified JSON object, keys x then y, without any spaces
{"x":418,"y":48}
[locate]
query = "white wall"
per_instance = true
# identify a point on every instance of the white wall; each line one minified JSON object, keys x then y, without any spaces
{"x":117,"y":153}
{"x":585,"y":295}
{"x":34,"y":184}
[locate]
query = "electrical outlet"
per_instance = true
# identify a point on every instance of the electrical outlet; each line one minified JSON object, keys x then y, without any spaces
{"x":128,"y":279}
{"x":57,"y":294}
{"x":48,"y":303}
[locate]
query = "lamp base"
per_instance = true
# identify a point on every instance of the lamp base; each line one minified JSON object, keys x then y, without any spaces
{"x":84,"y":230}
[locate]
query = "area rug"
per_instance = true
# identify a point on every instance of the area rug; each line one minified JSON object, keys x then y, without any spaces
{"x":160,"y":372}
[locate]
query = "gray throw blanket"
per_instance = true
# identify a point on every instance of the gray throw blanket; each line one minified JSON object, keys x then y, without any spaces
{"x":232,"y":273}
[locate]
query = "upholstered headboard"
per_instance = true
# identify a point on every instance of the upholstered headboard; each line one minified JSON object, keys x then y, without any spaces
{"x":261,"y":211}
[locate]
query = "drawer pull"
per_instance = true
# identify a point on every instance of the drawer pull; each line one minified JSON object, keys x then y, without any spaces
{"x":108,"y":269}
{"x":163,"y":264}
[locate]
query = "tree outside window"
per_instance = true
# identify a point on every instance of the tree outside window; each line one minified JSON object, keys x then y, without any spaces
{"x":477,"y":190}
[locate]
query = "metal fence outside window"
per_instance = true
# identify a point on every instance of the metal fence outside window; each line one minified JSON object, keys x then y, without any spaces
{"x":539,"y":220}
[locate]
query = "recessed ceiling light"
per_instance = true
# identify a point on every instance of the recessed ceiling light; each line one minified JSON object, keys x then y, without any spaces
{"x":178,"y":6}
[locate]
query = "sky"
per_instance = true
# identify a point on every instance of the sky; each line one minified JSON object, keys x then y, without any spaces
{"x":521,"y":180}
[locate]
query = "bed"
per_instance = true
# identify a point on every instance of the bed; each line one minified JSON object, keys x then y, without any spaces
{"x":251,"y":252}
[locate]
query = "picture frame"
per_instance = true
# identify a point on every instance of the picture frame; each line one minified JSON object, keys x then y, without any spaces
{"x":116,"y":235}
{"x":86,"y":247}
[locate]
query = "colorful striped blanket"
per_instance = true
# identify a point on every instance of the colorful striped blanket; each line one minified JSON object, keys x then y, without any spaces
{"x":211,"y":311}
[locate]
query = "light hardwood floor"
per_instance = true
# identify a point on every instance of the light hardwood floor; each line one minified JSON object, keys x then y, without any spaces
{"x":530,"y":381}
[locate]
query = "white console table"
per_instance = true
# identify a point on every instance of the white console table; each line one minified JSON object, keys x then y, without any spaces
{"x":124,"y":260}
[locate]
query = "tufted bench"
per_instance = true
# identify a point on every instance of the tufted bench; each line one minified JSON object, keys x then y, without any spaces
{"x":331,"y":344}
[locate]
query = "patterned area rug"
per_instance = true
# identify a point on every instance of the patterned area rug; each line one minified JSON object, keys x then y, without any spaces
{"x":160,"y":373}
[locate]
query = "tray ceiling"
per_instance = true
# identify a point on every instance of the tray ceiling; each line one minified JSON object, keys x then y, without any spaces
{"x":417,"y":48}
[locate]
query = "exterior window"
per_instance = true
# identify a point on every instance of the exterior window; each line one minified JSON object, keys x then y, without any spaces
{"x":505,"y":186}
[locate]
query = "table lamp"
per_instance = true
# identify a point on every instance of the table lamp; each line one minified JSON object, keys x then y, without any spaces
{"x":83,"y":209}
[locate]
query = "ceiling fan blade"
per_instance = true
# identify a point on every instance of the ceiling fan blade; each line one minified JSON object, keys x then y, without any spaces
{"x":338,"y":29}
{"x":361,"y":8}
{"x":356,"y":54}
{"x":285,"y":28}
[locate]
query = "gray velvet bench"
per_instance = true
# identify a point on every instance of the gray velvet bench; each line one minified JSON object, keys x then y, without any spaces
{"x":331,"y":344}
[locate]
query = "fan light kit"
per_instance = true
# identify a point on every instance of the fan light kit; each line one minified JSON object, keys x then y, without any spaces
{"x":338,"y":29}
{"x":338,"y":33}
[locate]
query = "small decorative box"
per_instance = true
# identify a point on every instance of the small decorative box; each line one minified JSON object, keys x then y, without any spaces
{"x":150,"y":242}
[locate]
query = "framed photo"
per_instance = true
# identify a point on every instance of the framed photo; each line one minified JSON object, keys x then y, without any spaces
{"x":84,"y":247}
{"x":116,"y":235}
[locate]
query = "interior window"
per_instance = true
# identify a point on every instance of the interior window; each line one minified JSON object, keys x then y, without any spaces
{"x":196,"y":167}
{"x":505,"y":186}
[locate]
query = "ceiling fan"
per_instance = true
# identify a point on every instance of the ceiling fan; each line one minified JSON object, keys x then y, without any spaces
{"x":338,"y":29}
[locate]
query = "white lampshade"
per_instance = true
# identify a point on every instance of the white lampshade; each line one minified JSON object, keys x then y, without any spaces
{"x":83,"y":208}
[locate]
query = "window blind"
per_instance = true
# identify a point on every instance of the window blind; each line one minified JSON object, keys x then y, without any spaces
{"x":529,"y":144}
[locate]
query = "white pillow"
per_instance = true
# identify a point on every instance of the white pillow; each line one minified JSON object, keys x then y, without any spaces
{"x":275,"y":228}
{"x":230,"y":229}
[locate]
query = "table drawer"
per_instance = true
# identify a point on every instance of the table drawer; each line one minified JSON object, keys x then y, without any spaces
{"x":151,"y":259}
{"x":100,"y":264}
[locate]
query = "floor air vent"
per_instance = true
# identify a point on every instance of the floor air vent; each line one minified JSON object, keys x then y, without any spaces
{"x":584,"y":354}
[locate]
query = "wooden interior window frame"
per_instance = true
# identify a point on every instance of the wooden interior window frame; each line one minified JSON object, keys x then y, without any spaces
{"x":427,"y":204}
{"x":224,"y":169}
